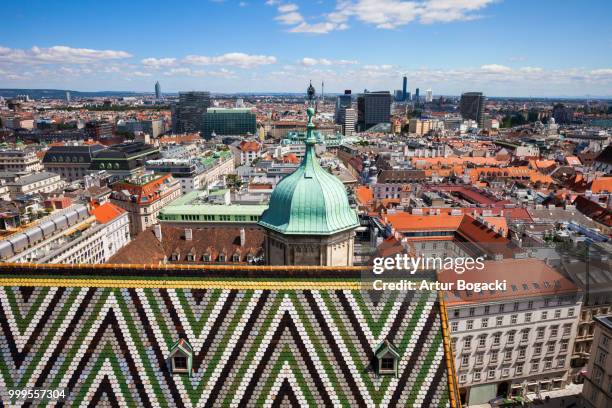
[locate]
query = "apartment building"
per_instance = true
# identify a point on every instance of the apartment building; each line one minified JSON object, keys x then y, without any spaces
{"x":597,"y":389}
{"x":43,"y":182}
{"x":514,"y":341}
{"x":143,"y":196}
{"x":75,"y":235}
{"x":17,"y":160}
{"x":249,"y":151}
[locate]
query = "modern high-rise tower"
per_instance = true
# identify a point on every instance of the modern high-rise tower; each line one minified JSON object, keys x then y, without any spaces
{"x":471,"y":106}
{"x":405,"y":89}
{"x":416,"y":96}
{"x":428,"y":96}
{"x":373,"y":108}
{"x":157,"y":90}
{"x":188,"y":113}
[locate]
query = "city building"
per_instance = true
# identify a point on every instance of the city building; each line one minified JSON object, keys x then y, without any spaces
{"x":97,"y":130}
{"x":124,"y":160}
{"x":35,"y":183}
{"x":309,"y":220}
{"x":562,"y":114}
{"x":347,"y":117}
{"x":19,"y":161}
{"x":597,"y":389}
{"x":72,"y":162}
{"x":215,"y":209}
{"x":428,"y":96}
{"x":373,"y":108}
{"x":195,"y":173}
{"x":152,"y":127}
{"x":342,"y":102}
{"x":143,"y":197}
{"x":74,"y":235}
{"x":158,"y":94}
{"x":188,"y":112}
{"x":517,"y":341}
{"x":249,"y":151}
{"x":404,"y":89}
{"x":233,"y":122}
{"x":472,"y":105}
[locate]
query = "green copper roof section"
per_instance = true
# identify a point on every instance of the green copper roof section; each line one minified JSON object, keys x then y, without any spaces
{"x":309,"y":201}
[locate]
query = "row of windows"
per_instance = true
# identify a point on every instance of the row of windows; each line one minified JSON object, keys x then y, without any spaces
{"x":516,"y":306}
{"x":486,"y":322}
{"x":512,"y":336}
{"x":221,"y":217}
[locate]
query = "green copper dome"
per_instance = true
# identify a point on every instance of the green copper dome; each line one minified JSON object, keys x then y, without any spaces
{"x":309,"y":201}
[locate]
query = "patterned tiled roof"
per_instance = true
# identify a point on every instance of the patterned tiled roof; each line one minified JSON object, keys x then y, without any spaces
{"x":283,"y":342}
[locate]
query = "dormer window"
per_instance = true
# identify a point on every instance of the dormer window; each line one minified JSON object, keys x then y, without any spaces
{"x":206,"y":257}
{"x":190,"y":257}
{"x":175,"y":256}
{"x":236,"y":258}
{"x":221,"y":257}
{"x":387,"y":359}
{"x":181,"y":357}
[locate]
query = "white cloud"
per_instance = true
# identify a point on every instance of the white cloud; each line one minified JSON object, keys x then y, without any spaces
{"x":602,"y":72}
{"x":531,"y":69}
{"x":495,"y":68}
{"x":158,"y":62}
{"x":59,"y":54}
{"x":237,"y":59}
{"x":384,"y":14}
{"x":307,"y":61}
{"x":141,"y":74}
{"x":188,"y":72}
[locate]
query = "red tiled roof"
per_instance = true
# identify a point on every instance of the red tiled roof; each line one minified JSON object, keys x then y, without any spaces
{"x":107,"y":212}
{"x":524,"y":278}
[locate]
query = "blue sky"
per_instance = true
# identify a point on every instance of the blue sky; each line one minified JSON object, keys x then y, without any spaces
{"x":501,"y":47}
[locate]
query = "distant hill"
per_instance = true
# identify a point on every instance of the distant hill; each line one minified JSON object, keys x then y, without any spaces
{"x":61,"y":93}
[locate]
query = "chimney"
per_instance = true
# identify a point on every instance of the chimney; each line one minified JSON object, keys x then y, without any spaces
{"x":242,"y":237}
{"x":157,"y":231}
{"x":188,"y":234}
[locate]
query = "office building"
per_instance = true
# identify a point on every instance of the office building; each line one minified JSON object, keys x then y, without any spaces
{"x":517,"y":341}
{"x":562,"y":114}
{"x":70,"y":162}
{"x":343,"y":101}
{"x":417,"y":97}
{"x":373,"y":108}
{"x":188,"y":112}
{"x":405,"y":89}
{"x":158,"y":94}
{"x":347,"y":117}
{"x":471,"y":106}
{"x":428,"y":96}
{"x":68,"y":96}
{"x":228,"y":122}
{"x":597,"y":389}
{"x":98,"y":129}
{"x":398,"y":95}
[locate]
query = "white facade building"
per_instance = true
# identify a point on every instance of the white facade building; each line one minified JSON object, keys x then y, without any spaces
{"x":520,"y":338}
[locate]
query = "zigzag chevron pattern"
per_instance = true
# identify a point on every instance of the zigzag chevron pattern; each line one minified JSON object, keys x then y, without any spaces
{"x":267,"y":348}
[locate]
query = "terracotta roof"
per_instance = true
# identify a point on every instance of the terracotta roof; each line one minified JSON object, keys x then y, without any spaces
{"x":405,"y":222}
{"x":107,"y":212}
{"x":524,"y":278}
{"x":364,"y":195}
{"x":213,"y":241}
{"x":147,"y":192}
{"x":594,"y":211}
{"x":247,"y":146}
{"x":601,"y":184}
